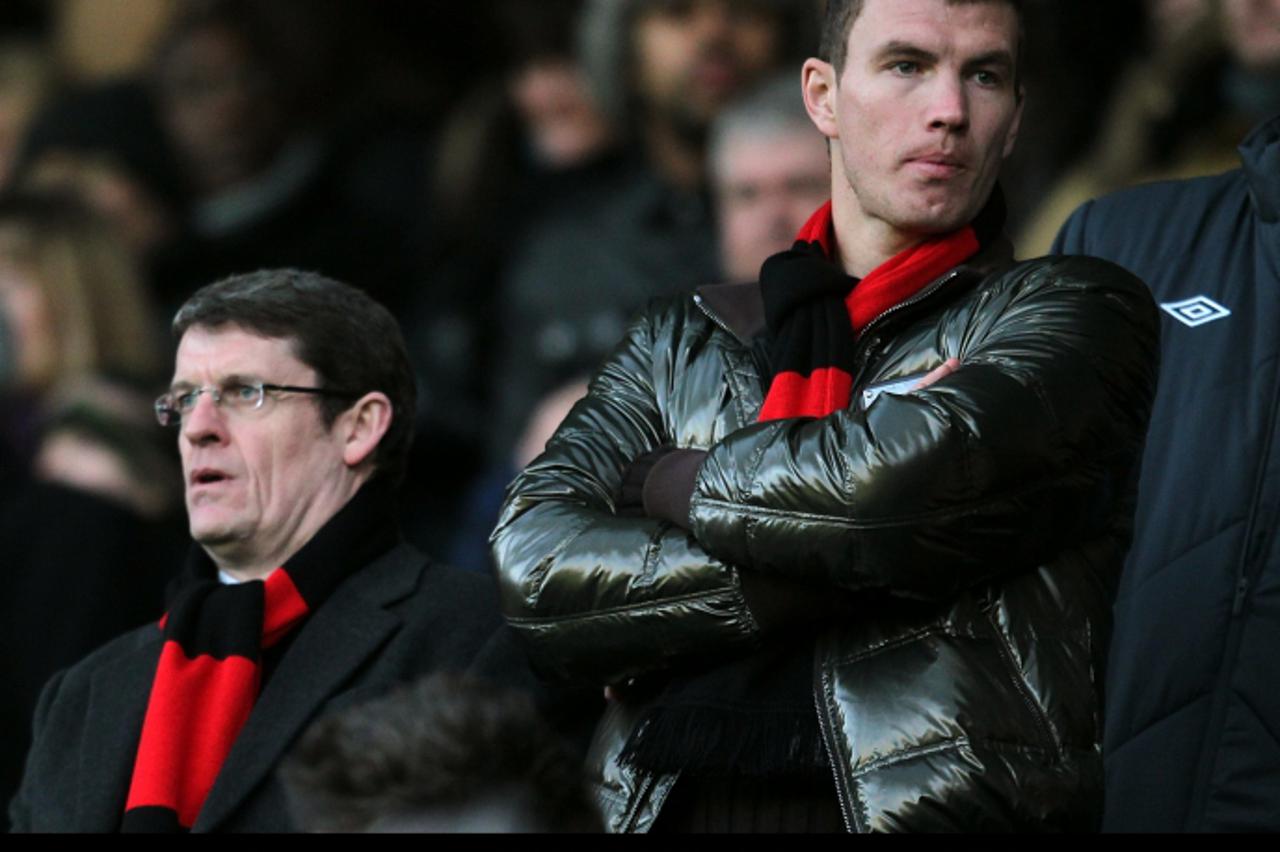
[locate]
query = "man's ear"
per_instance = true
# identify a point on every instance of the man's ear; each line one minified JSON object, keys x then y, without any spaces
{"x":818,"y":84}
{"x":362,"y":427}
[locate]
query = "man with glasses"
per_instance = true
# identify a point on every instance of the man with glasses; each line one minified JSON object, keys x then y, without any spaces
{"x":291,"y":402}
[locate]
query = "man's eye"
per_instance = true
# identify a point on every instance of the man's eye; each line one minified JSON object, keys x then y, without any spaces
{"x":987,"y":78}
{"x":240,"y":393}
{"x":905,"y":68}
{"x":185,"y":401}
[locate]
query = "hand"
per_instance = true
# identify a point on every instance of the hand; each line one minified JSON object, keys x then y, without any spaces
{"x":940,"y":373}
{"x":630,"y":500}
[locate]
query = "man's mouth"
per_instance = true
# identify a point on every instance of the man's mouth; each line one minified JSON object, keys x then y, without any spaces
{"x":937,"y":166}
{"x":207,"y":476}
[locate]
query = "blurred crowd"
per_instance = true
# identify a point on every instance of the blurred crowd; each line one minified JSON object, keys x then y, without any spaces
{"x":514,"y":179}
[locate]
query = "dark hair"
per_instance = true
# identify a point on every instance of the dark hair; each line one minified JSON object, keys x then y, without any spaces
{"x":429,"y":755}
{"x":352,"y":342}
{"x":840,"y":15}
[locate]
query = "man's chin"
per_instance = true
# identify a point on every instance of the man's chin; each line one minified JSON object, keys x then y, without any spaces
{"x":938,"y":220}
{"x":213,"y":533}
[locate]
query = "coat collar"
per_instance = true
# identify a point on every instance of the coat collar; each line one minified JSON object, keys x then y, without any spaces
{"x":739,"y":307}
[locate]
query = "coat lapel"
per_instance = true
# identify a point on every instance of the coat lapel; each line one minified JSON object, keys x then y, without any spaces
{"x":118,"y":699}
{"x":336,"y":641}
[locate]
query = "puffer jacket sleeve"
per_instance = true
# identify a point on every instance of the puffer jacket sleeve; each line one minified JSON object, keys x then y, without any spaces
{"x":598,"y":596}
{"x":1030,"y":445}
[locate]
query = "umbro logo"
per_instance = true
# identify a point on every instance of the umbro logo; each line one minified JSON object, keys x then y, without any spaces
{"x":1197,"y":311}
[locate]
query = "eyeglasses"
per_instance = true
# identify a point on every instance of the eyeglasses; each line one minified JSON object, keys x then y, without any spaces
{"x":232,"y":396}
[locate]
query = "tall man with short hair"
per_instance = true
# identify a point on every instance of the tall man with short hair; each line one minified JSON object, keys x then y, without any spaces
{"x":292,"y":399}
{"x":891,"y":483}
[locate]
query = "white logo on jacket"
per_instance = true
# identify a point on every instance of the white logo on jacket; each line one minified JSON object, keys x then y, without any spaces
{"x":1196,"y":311}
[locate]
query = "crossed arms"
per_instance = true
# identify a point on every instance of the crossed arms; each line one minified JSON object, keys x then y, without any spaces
{"x":1027,"y":446}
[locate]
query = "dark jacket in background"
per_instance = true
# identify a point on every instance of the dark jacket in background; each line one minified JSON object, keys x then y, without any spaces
{"x":1193,"y":709}
{"x":78,"y":570}
{"x":579,"y":277}
{"x":978,"y":528}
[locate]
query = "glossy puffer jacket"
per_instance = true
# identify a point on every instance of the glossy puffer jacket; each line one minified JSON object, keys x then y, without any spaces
{"x":978,"y":526}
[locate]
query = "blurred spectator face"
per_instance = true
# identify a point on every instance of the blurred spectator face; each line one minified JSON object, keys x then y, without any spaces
{"x":767,"y":185}
{"x":693,"y":56}
{"x":30,"y":319}
{"x":218,"y":106}
{"x":139,"y":220}
{"x":72,"y":295}
{"x":563,"y":125}
{"x":1253,"y":33}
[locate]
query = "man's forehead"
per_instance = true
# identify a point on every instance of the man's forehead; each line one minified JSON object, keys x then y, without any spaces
{"x":977,"y":27}
{"x":232,"y":350}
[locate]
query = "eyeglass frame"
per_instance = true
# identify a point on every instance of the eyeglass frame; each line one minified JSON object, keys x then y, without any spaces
{"x":169,"y":415}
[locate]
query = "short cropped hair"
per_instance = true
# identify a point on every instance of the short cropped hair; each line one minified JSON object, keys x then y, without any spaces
{"x":774,"y":107}
{"x":352,"y":342}
{"x":442,"y":755}
{"x":840,"y":16}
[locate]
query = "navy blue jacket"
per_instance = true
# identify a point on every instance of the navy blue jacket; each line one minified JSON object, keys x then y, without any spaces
{"x":1193,"y":710}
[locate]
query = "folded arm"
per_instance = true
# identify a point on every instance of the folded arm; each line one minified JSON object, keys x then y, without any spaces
{"x":597,"y":595}
{"x":995,"y":467}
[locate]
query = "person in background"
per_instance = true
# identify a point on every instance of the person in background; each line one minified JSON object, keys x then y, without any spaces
{"x":769,"y":170}
{"x":662,"y":71}
{"x":27,"y":80}
{"x":520,"y":140}
{"x":74,"y":304}
{"x":1193,"y":702}
{"x":1210,"y":74}
{"x":88,"y":488}
{"x":446,"y":754}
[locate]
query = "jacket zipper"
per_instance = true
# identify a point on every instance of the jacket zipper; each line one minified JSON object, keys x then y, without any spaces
{"x":1242,"y":582}
{"x":847,"y":814}
{"x":867,"y":343}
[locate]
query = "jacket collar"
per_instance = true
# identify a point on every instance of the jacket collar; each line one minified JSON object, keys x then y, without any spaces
{"x":1260,"y":152}
{"x":739,"y":307}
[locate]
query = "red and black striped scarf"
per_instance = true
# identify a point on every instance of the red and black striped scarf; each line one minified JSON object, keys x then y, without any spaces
{"x":815,"y":311}
{"x":210,"y":671}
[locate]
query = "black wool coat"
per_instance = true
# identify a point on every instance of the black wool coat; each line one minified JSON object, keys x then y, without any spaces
{"x":398,"y":618}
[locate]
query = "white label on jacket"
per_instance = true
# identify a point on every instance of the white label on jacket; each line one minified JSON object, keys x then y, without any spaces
{"x":871,"y":394}
{"x":1197,"y":311}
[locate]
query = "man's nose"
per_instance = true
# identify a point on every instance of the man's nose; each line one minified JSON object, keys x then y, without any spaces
{"x":204,"y":423}
{"x":948,"y":104}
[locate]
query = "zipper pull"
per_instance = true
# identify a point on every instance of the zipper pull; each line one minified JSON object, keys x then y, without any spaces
{"x":1242,"y":587}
